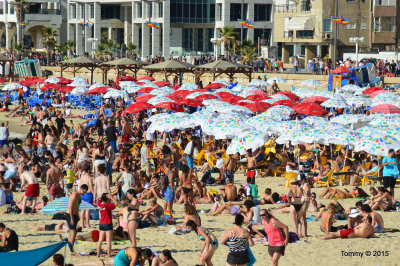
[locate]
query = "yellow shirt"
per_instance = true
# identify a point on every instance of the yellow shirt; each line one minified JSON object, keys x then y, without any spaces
{"x":70,"y":176}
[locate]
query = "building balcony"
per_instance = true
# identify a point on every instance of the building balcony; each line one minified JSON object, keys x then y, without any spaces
{"x":45,"y":12}
{"x":385,"y":11}
{"x":384,"y":37}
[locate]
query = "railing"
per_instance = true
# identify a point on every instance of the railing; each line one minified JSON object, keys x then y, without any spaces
{"x":288,"y":34}
{"x":286,"y":8}
{"x":46,"y":12}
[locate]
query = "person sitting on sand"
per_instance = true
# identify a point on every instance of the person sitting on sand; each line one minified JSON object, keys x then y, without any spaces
{"x":377,"y":220}
{"x":58,"y":228}
{"x":364,"y":230}
{"x":229,"y":192}
{"x":9,"y":239}
{"x":130,"y":257}
{"x":382,"y":201}
{"x":328,"y":218}
{"x":167,"y":259}
{"x":268,"y":197}
{"x":339,"y":211}
{"x":154,"y":213}
{"x":345,"y":194}
{"x":190,"y":215}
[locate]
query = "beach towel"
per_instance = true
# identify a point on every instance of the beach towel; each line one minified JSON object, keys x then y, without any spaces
{"x":312,"y":217}
{"x":169,"y":218}
{"x":94,"y":253}
{"x":391,"y":230}
{"x":115,"y":242}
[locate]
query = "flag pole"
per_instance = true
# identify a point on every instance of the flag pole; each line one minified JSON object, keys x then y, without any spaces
{"x":335,"y":35}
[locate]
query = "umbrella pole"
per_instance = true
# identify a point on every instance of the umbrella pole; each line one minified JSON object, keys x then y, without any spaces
{"x":345,"y":155}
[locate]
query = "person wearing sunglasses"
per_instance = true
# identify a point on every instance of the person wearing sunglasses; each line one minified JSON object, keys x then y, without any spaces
{"x":277,"y":242}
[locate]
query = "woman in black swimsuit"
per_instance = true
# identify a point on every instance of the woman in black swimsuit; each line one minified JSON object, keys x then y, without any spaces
{"x":186,"y":184}
{"x":295,"y":195}
{"x":133,"y":216}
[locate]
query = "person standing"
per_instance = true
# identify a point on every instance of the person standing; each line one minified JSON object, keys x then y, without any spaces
{"x":86,"y":179}
{"x":237,"y":238}
{"x":145,"y":157}
{"x":295,"y":65}
{"x":111,"y":135}
{"x":54,"y":175}
{"x":72,"y":216}
{"x":276,"y":242}
{"x":9,"y":239}
{"x":106,"y":204}
{"x":4,"y":135}
{"x":390,"y":171}
{"x":101,"y":183}
{"x":32,"y":189}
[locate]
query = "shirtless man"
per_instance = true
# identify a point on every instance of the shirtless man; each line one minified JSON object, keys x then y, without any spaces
{"x":126,"y":131}
{"x":101,"y":183}
{"x":327,"y":220}
{"x":377,"y":220}
{"x":32,"y":190}
{"x":72,"y":216}
{"x":251,"y":165}
{"x":363,"y":230}
{"x":86,"y":179}
{"x":230,"y":167}
{"x":50,"y":142}
{"x":229,"y":192}
{"x":54,"y":175}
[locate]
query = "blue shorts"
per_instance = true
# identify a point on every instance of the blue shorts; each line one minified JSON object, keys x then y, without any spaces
{"x":8,"y":175}
{"x":113,"y":144}
{"x":109,"y":169}
{"x":169,"y":195}
{"x":105,"y":227}
{"x":3,"y":142}
{"x":88,"y":197}
{"x":190,"y":162}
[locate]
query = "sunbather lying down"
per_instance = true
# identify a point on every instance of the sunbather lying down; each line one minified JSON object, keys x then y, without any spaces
{"x":363,"y":230}
{"x":345,"y":194}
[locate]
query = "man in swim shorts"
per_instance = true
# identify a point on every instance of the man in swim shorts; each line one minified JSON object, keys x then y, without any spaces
{"x":72,"y":217}
{"x":363,"y":230}
{"x":32,"y":189}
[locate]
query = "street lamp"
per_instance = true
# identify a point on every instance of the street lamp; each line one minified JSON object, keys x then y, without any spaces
{"x":356,"y":40}
{"x":216,"y":41}
{"x":93,"y":40}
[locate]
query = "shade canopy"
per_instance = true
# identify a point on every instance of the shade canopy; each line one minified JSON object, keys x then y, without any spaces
{"x":341,"y":69}
{"x":82,"y":60}
{"x":124,"y":62}
{"x":300,"y":23}
{"x":170,"y":64}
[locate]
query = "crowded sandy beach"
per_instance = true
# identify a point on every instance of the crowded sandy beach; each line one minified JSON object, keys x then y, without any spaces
{"x":157,"y":172}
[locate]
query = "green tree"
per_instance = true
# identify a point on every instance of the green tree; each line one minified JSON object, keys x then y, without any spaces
{"x":131,"y":50}
{"x":49,"y":40}
{"x":248,"y":54}
{"x":228,"y":36}
{"x":70,"y":46}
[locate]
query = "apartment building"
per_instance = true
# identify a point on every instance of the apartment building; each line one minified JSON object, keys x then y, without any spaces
{"x":186,"y":27}
{"x":38,"y":14}
{"x":305,"y":27}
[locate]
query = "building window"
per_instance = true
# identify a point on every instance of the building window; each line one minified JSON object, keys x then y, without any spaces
{"x":304,"y":34}
{"x":160,"y":10}
{"x":383,"y":24}
{"x":149,"y":9}
{"x":350,"y":1}
{"x":110,"y":11}
{"x":139,"y":10}
{"x":194,"y":11}
{"x":73,"y":11}
{"x":264,"y":35}
{"x":12,"y":11}
{"x":212,"y":12}
{"x":236,"y":12}
{"x":305,"y":5}
{"x":83,"y":11}
{"x":350,"y":26}
{"x":327,"y":25}
{"x":92,"y":11}
{"x":363,"y":26}
{"x":262,"y":12}
{"x":219,"y":12}
{"x":385,"y":2}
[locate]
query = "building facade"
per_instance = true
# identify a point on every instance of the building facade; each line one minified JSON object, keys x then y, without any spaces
{"x":37,"y":15}
{"x":305,"y":28}
{"x":186,"y":27}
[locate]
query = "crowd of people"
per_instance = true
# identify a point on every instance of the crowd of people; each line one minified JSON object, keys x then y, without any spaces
{"x":117,"y":163}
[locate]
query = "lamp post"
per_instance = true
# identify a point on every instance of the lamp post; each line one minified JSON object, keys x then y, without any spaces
{"x":93,"y":40}
{"x":215,"y":42}
{"x":356,"y":40}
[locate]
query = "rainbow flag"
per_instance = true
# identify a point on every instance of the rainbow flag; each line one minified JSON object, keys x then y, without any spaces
{"x":22,"y":25}
{"x":82,"y":23}
{"x":153,"y":24}
{"x":90,"y":23}
{"x":341,"y":20}
{"x":168,"y":216}
{"x":250,"y":24}
{"x":242,"y":22}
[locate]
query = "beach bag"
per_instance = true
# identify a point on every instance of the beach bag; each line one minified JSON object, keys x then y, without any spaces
{"x":254,"y":190}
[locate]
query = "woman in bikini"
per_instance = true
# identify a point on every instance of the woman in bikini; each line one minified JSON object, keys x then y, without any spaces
{"x":186,"y":184}
{"x":345,"y":194}
{"x":190,"y":215}
{"x":295,"y":196}
{"x":209,"y":245}
{"x":383,"y":200}
{"x":133,"y":216}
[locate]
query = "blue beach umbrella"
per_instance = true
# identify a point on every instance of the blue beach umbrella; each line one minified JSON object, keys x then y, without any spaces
{"x":61,"y":205}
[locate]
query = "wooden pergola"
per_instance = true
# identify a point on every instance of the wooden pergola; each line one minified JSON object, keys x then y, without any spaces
{"x":170,"y":67}
{"x":3,"y":62}
{"x":220,"y":67}
{"x":81,"y":62}
{"x":125,"y":64}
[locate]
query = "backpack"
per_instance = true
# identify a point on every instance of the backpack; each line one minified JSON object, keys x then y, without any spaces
{"x":163,"y":182}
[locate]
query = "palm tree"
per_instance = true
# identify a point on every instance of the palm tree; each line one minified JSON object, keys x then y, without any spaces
{"x":131,"y":49}
{"x":248,"y":54}
{"x":49,"y":39}
{"x":101,"y":50}
{"x":70,"y":47}
{"x":20,"y":6}
{"x":228,"y":36}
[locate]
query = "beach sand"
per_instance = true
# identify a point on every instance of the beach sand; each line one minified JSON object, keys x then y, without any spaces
{"x":185,"y":248}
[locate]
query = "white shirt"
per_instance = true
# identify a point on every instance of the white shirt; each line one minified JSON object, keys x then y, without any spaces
{"x":2,"y":197}
{"x":219,"y":163}
{"x":188,"y":149}
{"x":3,"y":133}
